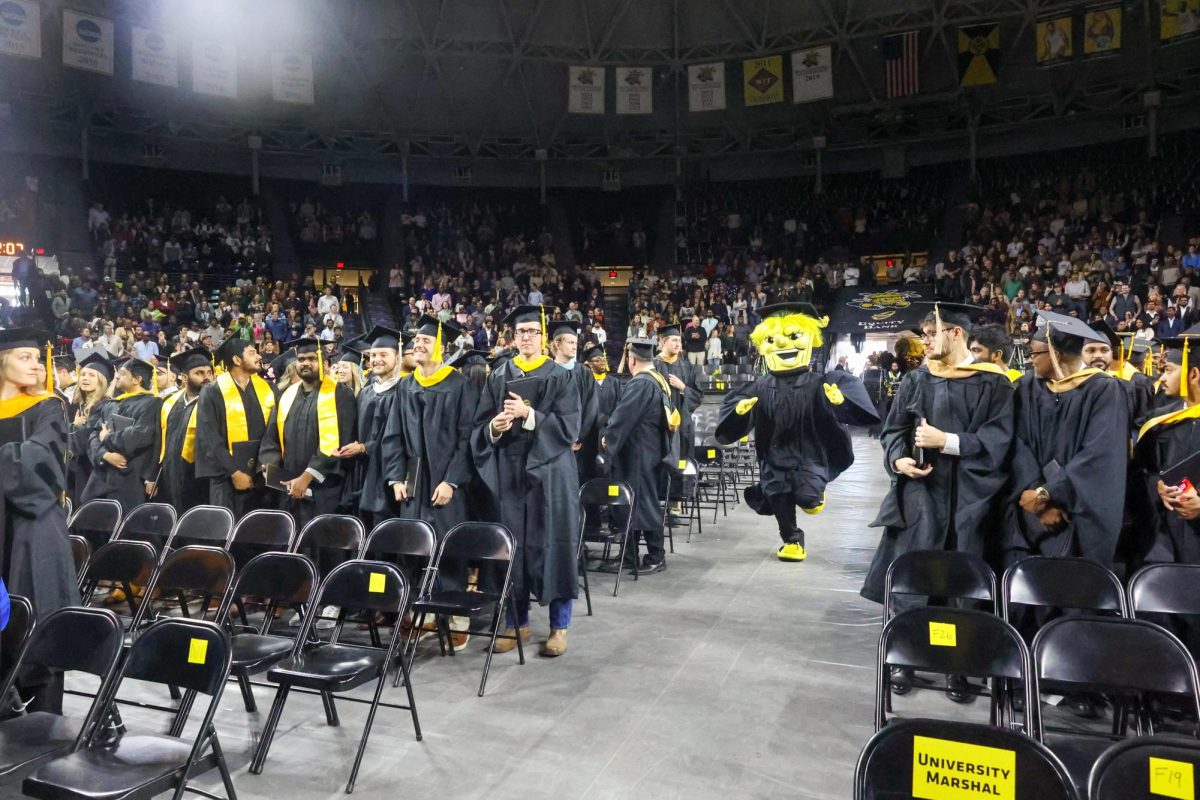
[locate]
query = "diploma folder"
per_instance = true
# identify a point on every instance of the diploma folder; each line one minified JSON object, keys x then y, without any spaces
{"x":1186,"y":470}
{"x":528,"y":389}
{"x":275,"y":479}
{"x":246,"y":455}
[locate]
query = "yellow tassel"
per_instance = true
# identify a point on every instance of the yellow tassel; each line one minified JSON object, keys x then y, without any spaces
{"x":1058,"y":373}
{"x":436,"y":355}
{"x":320,"y":364}
{"x":50,"y":367}
{"x":154,"y":380}
{"x":937,"y":316}
{"x":544,"y":336}
{"x":1121,"y":355}
{"x":1183,"y":370}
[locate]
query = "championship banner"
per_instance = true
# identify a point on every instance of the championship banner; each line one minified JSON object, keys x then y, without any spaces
{"x":1179,"y":19}
{"x":858,"y":310}
{"x":1054,"y":41}
{"x":155,"y":57}
{"x":812,"y":74}
{"x":214,"y":68}
{"x":634,"y":90}
{"x":586,"y":91}
{"x":87,"y":42}
{"x":706,"y":87}
{"x":762,"y":80}
{"x":21,"y":28}
{"x":292,"y":78}
{"x":979,"y":54}
{"x":1101,"y":31}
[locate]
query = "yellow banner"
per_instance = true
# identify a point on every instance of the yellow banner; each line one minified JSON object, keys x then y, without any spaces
{"x":1102,"y":31}
{"x":1054,"y":44}
{"x":762,"y":80}
{"x":1179,"y":19}
{"x":978,"y":54}
{"x":945,"y":770}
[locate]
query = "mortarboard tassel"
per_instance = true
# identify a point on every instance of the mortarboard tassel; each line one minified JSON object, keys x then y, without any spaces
{"x":49,"y":367}
{"x":436,"y":355}
{"x":1053,"y":353}
{"x":1183,"y":370}
{"x":544,"y":337}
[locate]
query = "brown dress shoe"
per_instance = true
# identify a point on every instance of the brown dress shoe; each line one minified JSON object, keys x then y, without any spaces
{"x":505,"y":645}
{"x":459,"y":640}
{"x":556,"y":645}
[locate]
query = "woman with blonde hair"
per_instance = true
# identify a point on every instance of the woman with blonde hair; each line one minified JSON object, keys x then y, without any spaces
{"x":37,"y":561}
{"x":348,"y":370}
{"x":91,"y":395}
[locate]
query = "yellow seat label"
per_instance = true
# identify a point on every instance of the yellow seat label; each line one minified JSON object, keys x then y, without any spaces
{"x":614,"y":491}
{"x":682,"y":464}
{"x":198,"y":651}
{"x":946,"y":770}
{"x":378,"y":583}
{"x":943,"y":634}
{"x":1172,"y":779}
{"x":712,"y":453}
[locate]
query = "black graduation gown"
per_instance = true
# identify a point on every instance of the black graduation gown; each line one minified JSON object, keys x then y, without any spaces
{"x":177,"y":483}
{"x":301,"y":437}
{"x":429,"y":433}
{"x":686,"y":401}
{"x":1074,"y":443}
{"x":531,"y":476}
{"x":37,"y":555}
{"x":213,"y":459}
{"x":957,"y":505}
{"x":79,"y":465}
{"x":639,"y":447}
{"x":1169,"y":538}
{"x":138,"y":443}
{"x":365,"y":489}
{"x":589,"y":430}
{"x":800,"y":436}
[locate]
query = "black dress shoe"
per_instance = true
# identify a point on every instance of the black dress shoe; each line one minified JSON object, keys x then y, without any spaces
{"x":612,"y":567}
{"x":651,"y":567}
{"x":957,"y":689}
{"x":1082,"y":706}
{"x":902,"y":680}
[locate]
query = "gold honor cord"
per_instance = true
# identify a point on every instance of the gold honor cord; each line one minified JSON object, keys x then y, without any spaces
{"x":328,"y":436}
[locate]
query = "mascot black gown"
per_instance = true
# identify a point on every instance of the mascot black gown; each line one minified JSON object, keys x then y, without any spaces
{"x":799,"y":419}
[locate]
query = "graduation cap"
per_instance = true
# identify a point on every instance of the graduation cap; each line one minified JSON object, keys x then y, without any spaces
{"x":558,"y":327}
{"x":188,"y":360}
{"x":465,"y":358}
{"x":525,"y":313}
{"x":23,"y":337}
{"x":960,"y":315}
{"x":592,"y":350}
{"x":382,"y":337}
{"x":786,"y":308}
{"x":353,"y":350}
{"x":642,"y":348}
{"x":232,"y":346}
{"x":1066,"y":326}
{"x":65,"y":361}
{"x":429,"y":326}
{"x":140,"y":369}
{"x":406,"y":341}
{"x":100,"y":364}
{"x":497,"y":361}
{"x":670,"y":330}
{"x":303,"y":345}
{"x":1102,"y":327}
{"x":280,"y":364}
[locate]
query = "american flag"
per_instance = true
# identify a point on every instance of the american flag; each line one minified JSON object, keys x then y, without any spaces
{"x":900,"y":57}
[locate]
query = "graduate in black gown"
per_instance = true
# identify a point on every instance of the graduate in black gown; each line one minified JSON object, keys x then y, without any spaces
{"x":124,"y":449}
{"x":1110,"y":356}
{"x":311,"y":422}
{"x":639,"y":443}
{"x":523,"y":456}
{"x":36,"y":554}
{"x":799,"y":416}
{"x":1071,"y":452}
{"x":564,"y":346}
{"x":684,"y":379}
{"x":608,"y":388}
{"x":232,"y":417}
{"x":96,"y":373}
{"x":369,"y":495}
{"x":178,"y":418}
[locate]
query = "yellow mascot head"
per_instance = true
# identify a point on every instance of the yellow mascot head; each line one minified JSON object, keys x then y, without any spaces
{"x":787,"y":335}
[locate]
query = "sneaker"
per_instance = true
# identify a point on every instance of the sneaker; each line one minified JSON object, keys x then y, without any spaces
{"x":649,"y":567}
{"x":792,"y":551}
{"x":459,"y":640}
{"x":556,"y":645}
{"x":328,"y":618}
{"x":505,"y":645}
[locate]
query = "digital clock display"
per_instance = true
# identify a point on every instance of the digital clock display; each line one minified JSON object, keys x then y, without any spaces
{"x":9,"y":248}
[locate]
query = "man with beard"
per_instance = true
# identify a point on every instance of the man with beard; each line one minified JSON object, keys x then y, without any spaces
{"x":1110,"y":356}
{"x":991,"y":344}
{"x":123,"y":449}
{"x":684,"y":380}
{"x":564,"y":338}
{"x":368,"y":493}
{"x":232,"y":415}
{"x":521,"y":446}
{"x":312,"y":421}
{"x":176,"y":482}
{"x":427,"y":447}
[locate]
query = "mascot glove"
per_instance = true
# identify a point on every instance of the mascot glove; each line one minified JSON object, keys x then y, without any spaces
{"x":834,"y":394}
{"x":743,"y":407}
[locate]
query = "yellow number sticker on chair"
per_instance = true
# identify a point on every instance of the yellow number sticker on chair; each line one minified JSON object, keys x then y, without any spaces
{"x":683,"y":463}
{"x":377,"y":583}
{"x":943,"y":634}
{"x":198,"y":651}
{"x":614,"y":491}
{"x":712,"y":453}
{"x":1172,"y":779}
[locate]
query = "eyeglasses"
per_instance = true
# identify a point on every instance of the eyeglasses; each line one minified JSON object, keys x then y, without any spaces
{"x":1036,"y":353}
{"x":528,"y":333}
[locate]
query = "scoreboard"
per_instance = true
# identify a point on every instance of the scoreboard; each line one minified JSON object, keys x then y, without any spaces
{"x":8,"y":247}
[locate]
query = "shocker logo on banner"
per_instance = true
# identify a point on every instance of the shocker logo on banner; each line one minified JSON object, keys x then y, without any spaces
{"x":886,"y":302}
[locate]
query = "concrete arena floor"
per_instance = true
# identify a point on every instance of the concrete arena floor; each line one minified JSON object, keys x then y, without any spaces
{"x":730,"y":675}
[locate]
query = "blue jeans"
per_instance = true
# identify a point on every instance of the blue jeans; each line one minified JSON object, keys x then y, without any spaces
{"x":560,"y":613}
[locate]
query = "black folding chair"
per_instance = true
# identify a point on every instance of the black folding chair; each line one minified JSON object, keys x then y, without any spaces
{"x":189,"y":653}
{"x":81,"y":554}
{"x":957,"y":641}
{"x":149,"y":522}
{"x":262,"y":531}
{"x":711,"y":486}
{"x":209,"y":525}
{"x":618,"y":498}
{"x":940,"y":574}
{"x":336,"y":533}
{"x":277,"y":580}
{"x":21,"y":622}
{"x":96,"y":521}
{"x":123,"y":564}
{"x":491,"y":546}
{"x":926,"y":755}
{"x":85,"y":640}
{"x":1131,"y":660}
{"x":1063,"y":584}
{"x":333,"y":668}
{"x":1147,"y":768}
{"x":1165,"y":589}
{"x":410,"y":544}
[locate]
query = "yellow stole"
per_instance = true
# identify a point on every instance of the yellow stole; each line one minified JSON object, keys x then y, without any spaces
{"x":442,"y":373}
{"x":531,"y":364}
{"x":328,"y":436}
{"x":1191,"y":412}
{"x":236,"y":428}
{"x":189,"y":437}
{"x":1014,"y":374}
{"x":1073,"y":380}
{"x":941,"y":369}
{"x":599,"y":376}
{"x":136,"y":393}
{"x":671,"y":360}
{"x":1125,"y":373}
{"x":19,"y":404}
{"x":673,"y":418}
